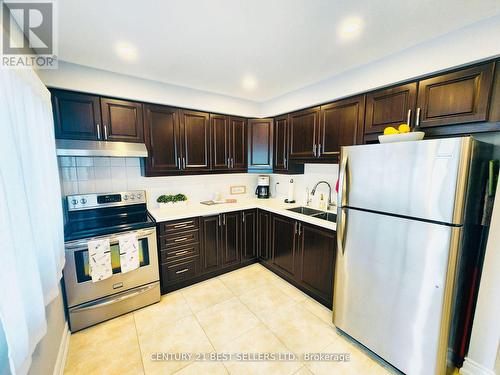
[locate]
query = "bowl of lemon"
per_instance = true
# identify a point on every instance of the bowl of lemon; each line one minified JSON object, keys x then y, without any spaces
{"x":402,"y":134}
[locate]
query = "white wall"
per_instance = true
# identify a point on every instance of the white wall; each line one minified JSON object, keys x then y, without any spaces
{"x":81,"y":78}
{"x":80,"y":175}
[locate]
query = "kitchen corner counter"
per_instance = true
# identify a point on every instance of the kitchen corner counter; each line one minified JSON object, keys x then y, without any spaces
{"x":273,"y":205}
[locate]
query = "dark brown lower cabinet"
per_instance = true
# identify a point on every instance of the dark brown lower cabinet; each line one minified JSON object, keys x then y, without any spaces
{"x":284,"y":232}
{"x":316,"y":253}
{"x":194,"y":249}
{"x":231,"y":238}
{"x":304,"y":255}
{"x":249,"y":235}
{"x":264,"y":235}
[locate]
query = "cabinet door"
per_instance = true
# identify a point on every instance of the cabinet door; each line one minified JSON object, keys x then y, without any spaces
{"x":317,"y":256}
{"x":76,"y":116}
{"x":195,"y":137}
{"x":303,"y":133}
{"x":260,"y":145}
{"x":162,"y":135}
{"x":238,"y":143}
{"x":211,"y":246}
{"x":231,"y":238}
{"x":390,"y":107}
{"x":341,"y":124}
{"x":219,"y":128}
{"x":249,"y":234}
{"x":455,"y":98}
{"x":122,"y":120}
{"x":284,"y":232}
{"x":280,"y":158}
{"x":264,"y":235}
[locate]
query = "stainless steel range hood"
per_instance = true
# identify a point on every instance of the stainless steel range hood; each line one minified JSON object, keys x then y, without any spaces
{"x":70,"y":147}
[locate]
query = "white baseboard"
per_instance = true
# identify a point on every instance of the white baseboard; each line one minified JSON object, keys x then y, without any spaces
{"x":473,"y":368}
{"x":63,"y":351}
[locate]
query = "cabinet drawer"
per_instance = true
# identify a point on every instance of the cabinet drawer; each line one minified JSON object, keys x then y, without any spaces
{"x":179,"y":271}
{"x":181,"y":239}
{"x":179,"y":253}
{"x":172,"y":227}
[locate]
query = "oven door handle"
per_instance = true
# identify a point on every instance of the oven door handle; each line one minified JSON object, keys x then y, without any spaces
{"x":110,"y":301}
{"x":78,"y":244}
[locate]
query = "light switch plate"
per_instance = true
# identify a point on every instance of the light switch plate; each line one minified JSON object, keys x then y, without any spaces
{"x":238,"y":189}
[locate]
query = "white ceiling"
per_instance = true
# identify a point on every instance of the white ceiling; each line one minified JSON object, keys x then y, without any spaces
{"x":284,"y":44}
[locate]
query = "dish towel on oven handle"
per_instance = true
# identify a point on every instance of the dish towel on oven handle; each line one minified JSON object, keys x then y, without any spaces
{"x":99,"y":259}
{"x":129,"y":252}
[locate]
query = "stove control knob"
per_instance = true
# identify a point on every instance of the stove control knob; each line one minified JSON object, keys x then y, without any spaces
{"x":83,"y":200}
{"x":74,"y":202}
{"x":139,"y":195}
{"x":125,"y":197}
{"x":132,"y":196}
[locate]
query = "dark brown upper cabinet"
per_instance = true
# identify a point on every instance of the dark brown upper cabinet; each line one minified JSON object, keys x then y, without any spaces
{"x":122,"y":120}
{"x":260,"y":145}
{"x":162,"y":136}
{"x":303,"y":133}
{"x":238,"y":143}
{"x":455,"y":98}
{"x":219,"y":126}
{"x":76,"y":116}
{"x":280,"y":159}
{"x":341,"y":124}
{"x":195,"y":139}
{"x":229,"y":146}
{"x":390,"y":107}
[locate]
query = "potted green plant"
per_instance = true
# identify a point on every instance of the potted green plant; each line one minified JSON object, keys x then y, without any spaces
{"x":171,"y":200}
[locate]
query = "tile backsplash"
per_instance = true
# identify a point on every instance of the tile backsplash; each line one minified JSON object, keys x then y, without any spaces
{"x":80,"y":175}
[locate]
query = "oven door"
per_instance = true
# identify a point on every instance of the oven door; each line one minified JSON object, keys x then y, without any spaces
{"x":77,"y":280}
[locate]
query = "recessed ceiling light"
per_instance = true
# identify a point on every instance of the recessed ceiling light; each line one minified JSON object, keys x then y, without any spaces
{"x":350,"y":27}
{"x":126,"y":51}
{"x":249,"y":82}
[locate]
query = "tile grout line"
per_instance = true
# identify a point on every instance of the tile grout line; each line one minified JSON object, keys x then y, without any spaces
{"x":139,"y":343}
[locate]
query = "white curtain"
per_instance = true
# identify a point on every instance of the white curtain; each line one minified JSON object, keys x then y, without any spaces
{"x":31,"y":222}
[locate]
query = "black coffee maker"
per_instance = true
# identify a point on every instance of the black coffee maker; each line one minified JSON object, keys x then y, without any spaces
{"x":262,"y":190}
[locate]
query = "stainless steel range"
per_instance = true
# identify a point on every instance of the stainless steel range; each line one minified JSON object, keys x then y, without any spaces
{"x":98,"y":216}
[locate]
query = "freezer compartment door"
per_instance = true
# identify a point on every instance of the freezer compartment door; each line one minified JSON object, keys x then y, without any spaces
{"x":390,"y":287}
{"x":414,"y":179}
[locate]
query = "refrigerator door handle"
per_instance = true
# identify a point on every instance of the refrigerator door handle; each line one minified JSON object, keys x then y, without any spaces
{"x":341,"y":227}
{"x":342,"y":193}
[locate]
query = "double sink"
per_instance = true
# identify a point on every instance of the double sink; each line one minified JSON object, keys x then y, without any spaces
{"x":329,"y":216}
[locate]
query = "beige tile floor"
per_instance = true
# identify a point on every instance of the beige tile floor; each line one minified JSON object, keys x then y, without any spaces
{"x":250,"y":310}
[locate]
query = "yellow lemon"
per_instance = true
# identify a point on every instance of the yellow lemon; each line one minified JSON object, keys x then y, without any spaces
{"x":390,"y":130}
{"x":404,"y":128}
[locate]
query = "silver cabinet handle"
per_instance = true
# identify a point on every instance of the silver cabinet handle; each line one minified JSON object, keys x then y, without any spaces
{"x":181,"y":239}
{"x":300,"y":229}
{"x":180,"y":226}
{"x":179,"y":162}
{"x":314,"y":149}
{"x":229,"y":162}
{"x":243,"y":217}
{"x":181,"y":252}
{"x":98,"y":127}
{"x":223,"y":219}
{"x":218,"y":218}
{"x":286,"y":163}
{"x":232,"y":162}
{"x":295,"y":227}
{"x":182,"y":271}
{"x":319,"y":150}
{"x":105,"y":132}
{"x":417,"y":120}
{"x":408,"y":118}
{"x":184,"y":161}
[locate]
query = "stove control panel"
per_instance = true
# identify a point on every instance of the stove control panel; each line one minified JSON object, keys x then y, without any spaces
{"x":91,"y":201}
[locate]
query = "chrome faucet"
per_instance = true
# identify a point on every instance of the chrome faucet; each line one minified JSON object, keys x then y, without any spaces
{"x":330,"y":204}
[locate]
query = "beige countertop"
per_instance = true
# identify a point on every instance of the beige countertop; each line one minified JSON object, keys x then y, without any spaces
{"x":276,"y":206}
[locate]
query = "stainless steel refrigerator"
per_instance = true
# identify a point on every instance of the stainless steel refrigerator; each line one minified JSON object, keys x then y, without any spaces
{"x":408,"y":223}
